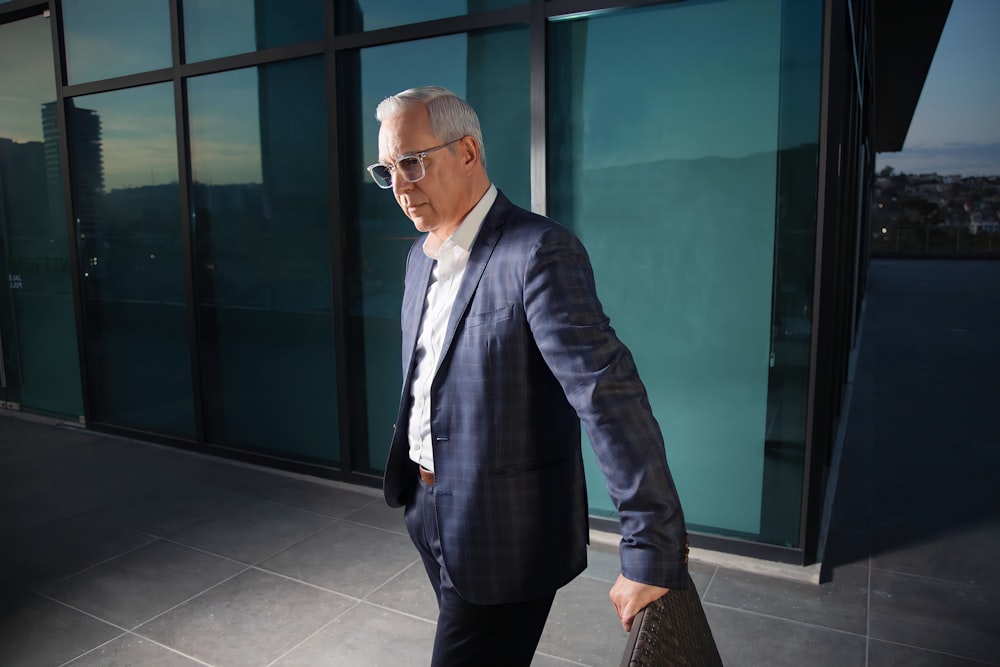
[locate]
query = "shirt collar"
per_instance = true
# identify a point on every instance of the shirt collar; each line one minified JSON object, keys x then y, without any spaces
{"x":465,"y":235}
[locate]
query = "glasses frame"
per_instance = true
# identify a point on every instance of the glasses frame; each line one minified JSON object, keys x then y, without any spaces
{"x":394,"y":167}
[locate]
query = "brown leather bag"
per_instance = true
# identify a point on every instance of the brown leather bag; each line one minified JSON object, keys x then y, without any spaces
{"x":672,"y":632}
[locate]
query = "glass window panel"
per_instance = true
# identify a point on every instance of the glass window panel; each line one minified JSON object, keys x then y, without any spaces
{"x":673,"y":192}
{"x":123,"y":162}
{"x":217,"y":28}
{"x":794,"y":259}
{"x":376,"y":14}
{"x":470,"y":65}
{"x":263,"y":259}
{"x":108,"y":38}
{"x":41,"y":368}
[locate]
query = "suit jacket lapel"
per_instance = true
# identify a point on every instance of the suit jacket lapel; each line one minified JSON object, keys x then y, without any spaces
{"x":482,"y":249}
{"x":418,"y":278}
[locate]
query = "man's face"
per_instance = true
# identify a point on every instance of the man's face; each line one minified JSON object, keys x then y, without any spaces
{"x":435,"y":203}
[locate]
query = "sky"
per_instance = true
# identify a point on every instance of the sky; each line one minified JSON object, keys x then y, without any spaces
{"x":956,"y":125}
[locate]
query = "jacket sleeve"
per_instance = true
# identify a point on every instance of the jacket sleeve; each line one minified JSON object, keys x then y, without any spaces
{"x":600,"y":380}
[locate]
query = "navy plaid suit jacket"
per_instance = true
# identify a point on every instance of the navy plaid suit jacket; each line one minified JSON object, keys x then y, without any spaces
{"x":528,"y":354}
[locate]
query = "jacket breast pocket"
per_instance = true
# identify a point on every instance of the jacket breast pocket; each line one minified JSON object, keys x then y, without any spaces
{"x":489,"y":317}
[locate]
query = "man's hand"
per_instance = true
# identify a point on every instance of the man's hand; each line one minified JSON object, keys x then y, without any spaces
{"x":630,"y":597}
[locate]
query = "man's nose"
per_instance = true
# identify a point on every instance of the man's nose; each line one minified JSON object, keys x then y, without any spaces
{"x":400,"y":184}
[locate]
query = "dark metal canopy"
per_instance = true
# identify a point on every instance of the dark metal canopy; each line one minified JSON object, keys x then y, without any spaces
{"x":906,"y":35}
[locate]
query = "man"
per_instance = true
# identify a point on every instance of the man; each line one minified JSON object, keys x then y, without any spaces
{"x":506,"y":349}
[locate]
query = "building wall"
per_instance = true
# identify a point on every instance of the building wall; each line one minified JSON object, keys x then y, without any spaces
{"x":236,"y":278}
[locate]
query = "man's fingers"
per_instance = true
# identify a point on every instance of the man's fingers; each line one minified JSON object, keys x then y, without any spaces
{"x":630,"y":597}
{"x":627,"y":621}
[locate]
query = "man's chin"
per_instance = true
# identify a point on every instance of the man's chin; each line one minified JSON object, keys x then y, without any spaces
{"x":423,"y":226}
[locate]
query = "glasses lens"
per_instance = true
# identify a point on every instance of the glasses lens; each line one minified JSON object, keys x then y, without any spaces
{"x":382,"y":175}
{"x":411,"y":168}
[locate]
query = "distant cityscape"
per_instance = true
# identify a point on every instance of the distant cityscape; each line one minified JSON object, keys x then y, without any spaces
{"x":934,"y":214}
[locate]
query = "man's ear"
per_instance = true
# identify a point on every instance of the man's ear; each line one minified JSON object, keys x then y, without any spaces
{"x":470,"y":150}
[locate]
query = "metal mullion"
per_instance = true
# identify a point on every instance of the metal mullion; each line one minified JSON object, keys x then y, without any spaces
{"x":182,"y":125}
{"x":119,"y":82}
{"x":818,"y":417}
{"x":538,"y":28}
{"x":346,"y":420}
{"x":21,"y":9}
{"x":434,"y":28}
{"x":252,"y":59}
{"x":565,"y":9}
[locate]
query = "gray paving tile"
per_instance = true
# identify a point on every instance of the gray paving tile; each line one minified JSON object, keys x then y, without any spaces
{"x":941,"y":616}
{"x":545,"y":660}
{"x":238,"y":477}
{"x":746,"y":639}
{"x":940,"y":558}
{"x":702,"y":574}
{"x":318,"y":497}
{"x":251,"y":619}
{"x":379,"y":515}
{"x":603,"y":564}
{"x":252,"y":531}
{"x":887,"y":654}
{"x":56,"y":550}
{"x":346,"y":557}
{"x":167,"y":511}
{"x":369,"y":636}
{"x":39,"y":632}
{"x":133,"y":588}
{"x":73,"y":464}
{"x":131,"y":651}
{"x":840,"y":604}
{"x":583,"y":626}
{"x":409,"y":592}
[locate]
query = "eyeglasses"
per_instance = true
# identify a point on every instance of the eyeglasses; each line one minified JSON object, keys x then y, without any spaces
{"x":410,"y":167}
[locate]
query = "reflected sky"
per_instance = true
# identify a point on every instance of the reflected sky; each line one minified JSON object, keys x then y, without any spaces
{"x":225,"y":128}
{"x":955,"y":128}
{"x":387,"y":13}
{"x":107,"y":38}
{"x":706,"y":64}
{"x":27,"y":79}
{"x":138,"y":136}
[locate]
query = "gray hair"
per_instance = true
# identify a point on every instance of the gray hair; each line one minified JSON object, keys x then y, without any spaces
{"x":451,"y":117}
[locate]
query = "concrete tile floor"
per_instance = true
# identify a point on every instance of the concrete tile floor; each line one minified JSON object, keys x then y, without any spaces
{"x":120,"y":552}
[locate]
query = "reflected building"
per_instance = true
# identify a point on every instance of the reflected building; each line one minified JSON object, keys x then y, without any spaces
{"x":86,"y":156}
{"x":238,"y":277}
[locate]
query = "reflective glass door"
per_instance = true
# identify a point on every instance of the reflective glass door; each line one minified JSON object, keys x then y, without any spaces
{"x":41,"y":370}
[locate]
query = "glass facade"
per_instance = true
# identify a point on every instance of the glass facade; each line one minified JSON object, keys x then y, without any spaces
{"x":40,"y":363}
{"x":217,"y":28}
{"x":240,"y":277}
{"x":674,"y":199}
{"x":123,"y":174}
{"x":110,"y":38}
{"x":260,"y":214}
{"x":360,"y":15}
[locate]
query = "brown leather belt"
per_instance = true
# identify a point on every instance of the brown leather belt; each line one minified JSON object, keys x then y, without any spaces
{"x":426,"y":475}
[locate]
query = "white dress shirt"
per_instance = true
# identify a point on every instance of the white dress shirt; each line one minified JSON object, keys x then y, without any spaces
{"x":446,"y":276}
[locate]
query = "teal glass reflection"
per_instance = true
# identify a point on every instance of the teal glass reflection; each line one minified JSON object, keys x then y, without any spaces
{"x":109,"y":38}
{"x":794,"y":266}
{"x":376,"y":14}
{"x":41,"y":367}
{"x":470,"y":65}
{"x":663,"y":158}
{"x":261,"y":216}
{"x":217,"y":28}
{"x":123,"y":164}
